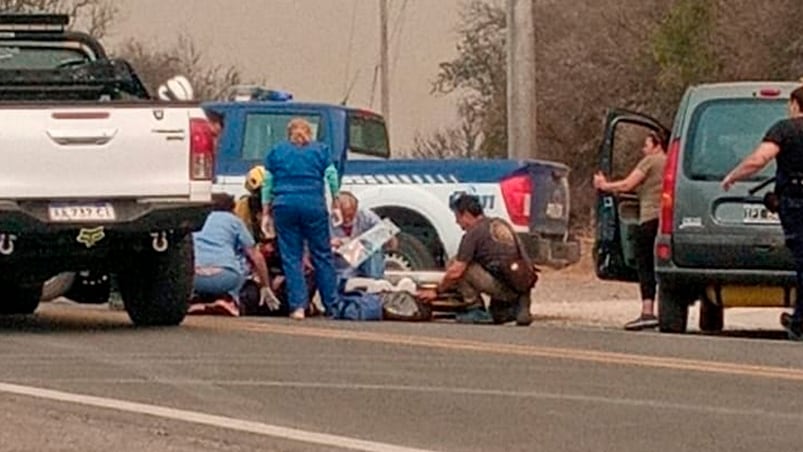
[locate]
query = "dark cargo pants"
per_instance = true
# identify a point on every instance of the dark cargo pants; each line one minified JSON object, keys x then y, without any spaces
{"x":791,"y":213}
{"x":504,"y":301}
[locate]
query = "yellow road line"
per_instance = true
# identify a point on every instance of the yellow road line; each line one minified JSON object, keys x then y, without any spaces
{"x":571,"y":354}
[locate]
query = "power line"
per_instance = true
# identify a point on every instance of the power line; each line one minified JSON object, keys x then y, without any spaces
{"x":401,"y":20}
{"x":350,"y":47}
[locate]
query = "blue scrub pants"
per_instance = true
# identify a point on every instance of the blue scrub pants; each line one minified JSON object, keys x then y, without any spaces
{"x":305,"y":219}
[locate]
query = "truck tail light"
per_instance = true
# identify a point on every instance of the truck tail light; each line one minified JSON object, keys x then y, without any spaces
{"x":517,"y":193}
{"x":202,"y":150}
{"x":668,"y":191}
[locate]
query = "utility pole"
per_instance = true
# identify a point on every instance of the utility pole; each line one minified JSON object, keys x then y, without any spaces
{"x":384,"y":65}
{"x":520,"y":79}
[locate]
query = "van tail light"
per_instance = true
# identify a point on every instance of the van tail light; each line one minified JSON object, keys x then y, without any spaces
{"x":202,"y":150}
{"x":668,"y":190}
{"x":517,"y":193}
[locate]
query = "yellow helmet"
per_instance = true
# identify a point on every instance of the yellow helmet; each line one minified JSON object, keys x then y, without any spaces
{"x":255,"y":178}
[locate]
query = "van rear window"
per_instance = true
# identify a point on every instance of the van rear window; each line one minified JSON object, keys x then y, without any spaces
{"x":723,"y":132}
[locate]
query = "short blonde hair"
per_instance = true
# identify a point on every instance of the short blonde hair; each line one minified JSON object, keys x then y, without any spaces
{"x":299,"y":131}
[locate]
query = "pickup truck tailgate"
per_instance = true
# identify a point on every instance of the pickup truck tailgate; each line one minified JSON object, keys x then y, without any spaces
{"x":94,"y":152}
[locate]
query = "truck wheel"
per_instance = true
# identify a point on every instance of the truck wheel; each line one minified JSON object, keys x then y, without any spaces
{"x":90,"y":288}
{"x":156,"y":288}
{"x":21,"y":299}
{"x":411,"y":255}
{"x":673,"y":310}
{"x":712,"y":317}
{"x":57,"y":286}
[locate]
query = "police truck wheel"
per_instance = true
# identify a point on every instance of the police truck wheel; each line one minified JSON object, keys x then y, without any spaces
{"x":712,"y":317}
{"x":20,"y":299}
{"x":673,"y":310}
{"x":156,"y":287}
{"x":411,"y":254}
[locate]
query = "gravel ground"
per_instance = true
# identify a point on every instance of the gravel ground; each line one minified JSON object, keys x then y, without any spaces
{"x":574,"y":296}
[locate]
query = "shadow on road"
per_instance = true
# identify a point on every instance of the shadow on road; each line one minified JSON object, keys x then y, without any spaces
{"x":63,"y":319}
{"x":746,"y":334}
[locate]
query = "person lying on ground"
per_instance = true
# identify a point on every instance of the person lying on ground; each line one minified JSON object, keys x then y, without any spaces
{"x":278,"y":284}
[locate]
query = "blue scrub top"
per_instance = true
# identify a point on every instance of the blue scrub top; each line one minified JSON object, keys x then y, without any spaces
{"x":223,"y":242}
{"x":297,"y":171}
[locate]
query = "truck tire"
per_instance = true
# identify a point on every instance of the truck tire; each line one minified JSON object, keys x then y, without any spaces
{"x":156,"y":288}
{"x":21,"y":299}
{"x":673,"y":310}
{"x":57,"y":286}
{"x":712,"y":317}
{"x":90,"y":288}
{"x":411,"y":255}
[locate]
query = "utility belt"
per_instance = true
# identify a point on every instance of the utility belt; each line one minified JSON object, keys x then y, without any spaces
{"x":792,"y":187}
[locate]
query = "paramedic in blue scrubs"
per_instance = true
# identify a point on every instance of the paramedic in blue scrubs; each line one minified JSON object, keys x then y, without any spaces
{"x":294,"y":193}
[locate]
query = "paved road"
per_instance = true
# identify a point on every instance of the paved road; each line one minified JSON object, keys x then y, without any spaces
{"x":83,"y":379}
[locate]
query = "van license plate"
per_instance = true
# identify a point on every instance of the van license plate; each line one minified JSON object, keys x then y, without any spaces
{"x":82,"y":212}
{"x":758,"y":214}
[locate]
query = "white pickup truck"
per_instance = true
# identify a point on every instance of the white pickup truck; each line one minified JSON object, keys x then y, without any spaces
{"x":95,"y":174}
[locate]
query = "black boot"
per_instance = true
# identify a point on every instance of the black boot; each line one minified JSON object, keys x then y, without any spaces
{"x":523,"y":316}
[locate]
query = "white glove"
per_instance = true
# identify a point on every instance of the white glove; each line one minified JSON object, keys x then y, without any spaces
{"x":268,"y":298}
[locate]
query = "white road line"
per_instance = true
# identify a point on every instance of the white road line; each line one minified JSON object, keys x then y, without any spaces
{"x":537,"y":395}
{"x":323,"y":439}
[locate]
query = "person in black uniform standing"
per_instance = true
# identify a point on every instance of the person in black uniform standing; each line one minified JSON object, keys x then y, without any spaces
{"x":784,"y":143}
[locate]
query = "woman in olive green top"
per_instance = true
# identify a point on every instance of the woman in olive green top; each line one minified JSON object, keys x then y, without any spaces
{"x":646,"y":180}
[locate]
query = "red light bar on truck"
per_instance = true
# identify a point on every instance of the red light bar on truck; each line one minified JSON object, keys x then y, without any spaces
{"x":34,"y":22}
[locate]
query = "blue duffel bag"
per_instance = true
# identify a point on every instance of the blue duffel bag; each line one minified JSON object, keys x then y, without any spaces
{"x":358,"y":305}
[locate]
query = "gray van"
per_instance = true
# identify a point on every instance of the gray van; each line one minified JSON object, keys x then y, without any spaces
{"x":723,"y":249}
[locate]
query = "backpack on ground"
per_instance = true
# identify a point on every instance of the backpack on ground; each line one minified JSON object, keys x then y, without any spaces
{"x":404,"y":306}
{"x":358,"y":305}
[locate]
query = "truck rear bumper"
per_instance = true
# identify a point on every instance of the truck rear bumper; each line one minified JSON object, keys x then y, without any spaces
{"x":28,"y":236}
{"x":550,"y":252}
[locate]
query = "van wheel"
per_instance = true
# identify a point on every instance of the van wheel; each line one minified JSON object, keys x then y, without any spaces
{"x":156,"y":287}
{"x":712,"y":317}
{"x":410,"y":255}
{"x":673,"y":310}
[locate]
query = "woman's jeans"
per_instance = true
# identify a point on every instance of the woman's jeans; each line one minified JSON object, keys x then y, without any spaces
{"x":215,"y":284}
{"x":645,"y":258}
{"x":298,"y":220}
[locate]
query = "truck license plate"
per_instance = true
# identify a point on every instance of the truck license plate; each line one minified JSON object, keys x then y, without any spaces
{"x":82,"y":212}
{"x":554,"y":210}
{"x":758,"y":214}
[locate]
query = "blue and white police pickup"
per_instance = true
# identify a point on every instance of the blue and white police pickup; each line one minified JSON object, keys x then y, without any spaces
{"x":415,"y":194}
